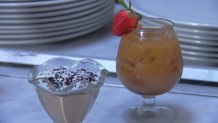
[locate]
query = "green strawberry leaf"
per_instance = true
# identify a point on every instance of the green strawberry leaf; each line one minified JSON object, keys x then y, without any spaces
{"x":123,"y":4}
{"x":137,"y":15}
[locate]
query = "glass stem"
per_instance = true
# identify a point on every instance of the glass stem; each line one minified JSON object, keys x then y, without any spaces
{"x":148,"y":107}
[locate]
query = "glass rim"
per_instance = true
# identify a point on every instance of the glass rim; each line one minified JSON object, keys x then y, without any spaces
{"x":170,"y":24}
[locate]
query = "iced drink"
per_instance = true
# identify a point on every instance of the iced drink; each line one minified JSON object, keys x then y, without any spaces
{"x":68,"y":89}
{"x":149,"y":64}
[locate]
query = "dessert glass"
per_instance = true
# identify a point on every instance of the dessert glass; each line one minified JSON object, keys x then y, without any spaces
{"x":66,"y":88}
{"x":149,"y":63}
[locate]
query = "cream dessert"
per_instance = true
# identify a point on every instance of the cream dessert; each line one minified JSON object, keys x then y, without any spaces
{"x":68,"y":91}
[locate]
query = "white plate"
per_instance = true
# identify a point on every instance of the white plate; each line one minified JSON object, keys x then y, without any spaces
{"x":55,"y":31}
{"x":35,"y":3}
{"x":63,"y":5}
{"x":200,"y":61}
{"x":58,"y":30}
{"x":34,"y":28}
{"x":197,"y":31}
{"x":200,"y":37}
{"x":200,"y":13}
{"x":200,"y":54}
{"x":198,"y":42}
{"x":55,"y":18}
{"x":67,"y":29}
{"x":196,"y":27}
{"x":50,"y":14}
{"x":199,"y":48}
{"x":54,"y":38}
{"x":43,"y":28}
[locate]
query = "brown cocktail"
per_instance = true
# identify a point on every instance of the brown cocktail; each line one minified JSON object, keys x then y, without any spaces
{"x":149,"y":63}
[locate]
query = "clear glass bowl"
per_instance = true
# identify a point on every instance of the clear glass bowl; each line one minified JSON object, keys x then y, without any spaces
{"x":67,"y":88}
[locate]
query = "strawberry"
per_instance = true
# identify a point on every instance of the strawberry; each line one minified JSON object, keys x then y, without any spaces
{"x":124,"y":21}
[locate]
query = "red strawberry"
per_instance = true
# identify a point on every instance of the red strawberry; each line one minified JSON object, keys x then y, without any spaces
{"x":125,"y":20}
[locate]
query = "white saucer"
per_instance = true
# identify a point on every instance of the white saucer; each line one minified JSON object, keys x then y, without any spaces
{"x":201,"y":13}
{"x":195,"y":20}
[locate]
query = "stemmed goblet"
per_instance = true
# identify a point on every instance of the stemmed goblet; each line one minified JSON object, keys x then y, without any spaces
{"x":149,"y":63}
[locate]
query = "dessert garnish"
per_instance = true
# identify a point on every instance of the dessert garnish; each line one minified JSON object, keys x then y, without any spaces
{"x":125,"y":20}
{"x":64,"y":79}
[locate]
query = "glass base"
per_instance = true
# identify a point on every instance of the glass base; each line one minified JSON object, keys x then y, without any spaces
{"x":155,"y":115}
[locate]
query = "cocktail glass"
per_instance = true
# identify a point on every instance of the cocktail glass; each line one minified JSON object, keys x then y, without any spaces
{"x":149,"y":63}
